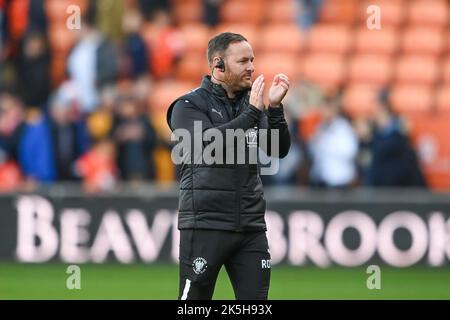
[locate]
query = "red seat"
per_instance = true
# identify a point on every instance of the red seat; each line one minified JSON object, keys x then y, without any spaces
{"x":433,"y":147}
{"x":281,"y":38}
{"x":237,"y":11}
{"x":429,"y":12}
{"x":61,"y":39}
{"x":423,"y":40}
{"x":384,"y":41}
{"x":192,"y":67}
{"x":411,"y":98}
{"x":281,"y":11}
{"x":56,"y":10}
{"x":360,"y":99}
{"x":195,"y":37}
{"x":371,"y":69}
{"x":165,"y":92}
{"x":446,"y":70}
{"x":187,"y":12}
{"x":417,"y":70}
{"x":270,"y":64}
{"x":325,"y":70}
{"x":330,"y":39}
{"x":443,"y":98}
{"x":249,"y":31}
{"x":338,"y":11}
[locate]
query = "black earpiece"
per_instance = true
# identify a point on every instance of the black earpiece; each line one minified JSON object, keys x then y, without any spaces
{"x":221,"y":65}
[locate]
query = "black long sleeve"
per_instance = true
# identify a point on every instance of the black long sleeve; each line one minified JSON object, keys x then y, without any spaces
{"x":275,"y":120}
{"x":184,"y":114}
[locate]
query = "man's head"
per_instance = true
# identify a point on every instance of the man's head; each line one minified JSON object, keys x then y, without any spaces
{"x":237,"y":56}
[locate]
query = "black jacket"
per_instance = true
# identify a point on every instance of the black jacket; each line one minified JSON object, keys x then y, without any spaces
{"x":224,"y":196}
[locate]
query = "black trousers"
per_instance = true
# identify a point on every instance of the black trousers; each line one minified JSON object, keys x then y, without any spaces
{"x":245,"y":256}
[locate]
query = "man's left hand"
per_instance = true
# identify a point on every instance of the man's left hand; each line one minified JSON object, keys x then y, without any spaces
{"x":278,"y":90}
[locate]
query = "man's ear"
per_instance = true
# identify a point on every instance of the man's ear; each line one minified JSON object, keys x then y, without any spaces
{"x":219,"y":63}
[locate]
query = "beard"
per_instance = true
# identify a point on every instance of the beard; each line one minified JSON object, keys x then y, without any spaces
{"x":239,"y":82}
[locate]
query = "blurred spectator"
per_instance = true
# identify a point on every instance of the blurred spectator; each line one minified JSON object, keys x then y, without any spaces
{"x":211,"y":12}
{"x":393,"y":161}
{"x":37,"y":17}
{"x":303,"y":97}
{"x":165,"y":43}
{"x":92,"y":64}
{"x":2,"y":28}
{"x":149,"y":7}
{"x":136,"y":52}
{"x":333,"y":148}
{"x":100,"y":122}
{"x":35,"y":149}
{"x":109,"y":15}
{"x":11,"y":117}
{"x":289,"y":166}
{"x":16,"y":13}
{"x":68,"y":134}
{"x":136,"y":140}
{"x":44,"y":147}
{"x":97,"y":167}
{"x":19,"y":17}
{"x":33,"y":68}
{"x":10,"y":176}
{"x":308,"y":11}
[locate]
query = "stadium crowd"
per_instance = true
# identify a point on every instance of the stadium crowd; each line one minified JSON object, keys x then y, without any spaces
{"x":89,"y":104}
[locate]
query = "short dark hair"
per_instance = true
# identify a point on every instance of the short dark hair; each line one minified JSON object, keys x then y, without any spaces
{"x":221,"y":42}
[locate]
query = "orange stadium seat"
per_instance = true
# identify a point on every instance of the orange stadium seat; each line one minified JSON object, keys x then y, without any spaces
{"x":443,"y":98}
{"x":384,"y":41}
{"x":270,"y":64}
{"x":447,"y":39}
{"x":417,"y":70}
{"x":392,"y":11}
{"x":330,"y":39}
{"x":58,"y":69}
{"x":249,"y":31}
{"x":423,"y":40}
{"x":192,"y":67}
{"x":61,"y":39}
{"x":370,"y":69}
{"x":429,"y":12}
{"x":188,"y":11}
{"x":410,"y":99}
{"x":56,"y":10}
{"x":195,"y":37}
{"x":325,"y":70}
{"x":237,"y":11}
{"x":160,"y":98}
{"x":281,"y":11}
{"x":431,"y":131}
{"x":360,"y":99}
{"x":446,"y":70}
{"x":338,"y":11}
{"x":281,"y":38}
{"x":165,"y":92}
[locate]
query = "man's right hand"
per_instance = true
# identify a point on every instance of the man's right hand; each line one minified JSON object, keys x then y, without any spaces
{"x":256,"y":95}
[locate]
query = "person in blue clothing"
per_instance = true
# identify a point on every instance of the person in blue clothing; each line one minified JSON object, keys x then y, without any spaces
{"x":393,"y":162}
